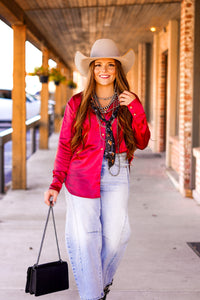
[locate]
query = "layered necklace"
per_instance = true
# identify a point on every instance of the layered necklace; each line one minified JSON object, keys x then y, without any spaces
{"x":104,"y":109}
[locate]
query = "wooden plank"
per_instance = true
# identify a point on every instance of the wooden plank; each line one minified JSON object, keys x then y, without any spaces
{"x":26,"y":5}
{"x":109,"y":16}
{"x":52,"y":4}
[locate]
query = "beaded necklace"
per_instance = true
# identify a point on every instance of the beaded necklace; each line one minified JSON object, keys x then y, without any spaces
{"x":105,"y":98}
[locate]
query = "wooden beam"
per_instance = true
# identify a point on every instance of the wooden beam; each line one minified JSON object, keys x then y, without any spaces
{"x":19,"y":110}
{"x":99,"y":6}
{"x":44,"y":121}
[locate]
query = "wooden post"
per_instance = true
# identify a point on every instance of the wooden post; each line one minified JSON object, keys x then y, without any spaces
{"x":58,"y":106}
{"x":64,"y":89}
{"x":154,"y":141}
{"x":69,"y":90}
{"x":19,"y":109}
{"x":142,"y":54}
{"x":44,"y":121}
{"x":171,"y":86}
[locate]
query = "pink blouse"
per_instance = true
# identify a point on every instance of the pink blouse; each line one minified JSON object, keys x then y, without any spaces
{"x":82,"y":173}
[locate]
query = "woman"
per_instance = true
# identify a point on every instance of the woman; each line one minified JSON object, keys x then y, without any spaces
{"x":102,"y":127}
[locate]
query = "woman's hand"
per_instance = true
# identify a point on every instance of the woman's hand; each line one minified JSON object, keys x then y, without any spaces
{"x":126,"y":98}
{"x":48,"y":194}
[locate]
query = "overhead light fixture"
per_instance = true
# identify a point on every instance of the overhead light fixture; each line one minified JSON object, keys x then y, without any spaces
{"x":153,"y":29}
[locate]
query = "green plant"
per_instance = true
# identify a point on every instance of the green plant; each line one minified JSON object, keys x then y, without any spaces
{"x":71,"y":84}
{"x":40,"y":71}
{"x":55,"y":75}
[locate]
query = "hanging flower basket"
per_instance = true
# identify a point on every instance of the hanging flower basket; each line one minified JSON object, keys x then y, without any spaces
{"x":42,"y":73}
{"x":44,"y":78}
{"x":71,"y":84}
{"x":56,"y":76}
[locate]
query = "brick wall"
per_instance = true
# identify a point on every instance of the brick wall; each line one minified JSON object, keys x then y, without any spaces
{"x":186,"y":92}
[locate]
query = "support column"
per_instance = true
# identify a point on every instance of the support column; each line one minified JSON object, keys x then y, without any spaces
{"x":132,"y":76}
{"x":195,"y":170}
{"x":58,"y":105}
{"x":44,"y":121}
{"x":64,"y":90}
{"x":19,"y":109}
{"x":135,"y":74}
{"x":155,"y":93}
{"x":186,"y":95}
{"x":69,"y":90}
{"x":162,"y":91}
{"x":171,"y":86}
{"x":142,"y":72}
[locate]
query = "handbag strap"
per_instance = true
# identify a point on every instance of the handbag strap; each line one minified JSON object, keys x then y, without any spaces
{"x":45,"y":228}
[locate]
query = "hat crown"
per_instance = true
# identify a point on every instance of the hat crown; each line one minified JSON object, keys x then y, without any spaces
{"x":104,"y":48}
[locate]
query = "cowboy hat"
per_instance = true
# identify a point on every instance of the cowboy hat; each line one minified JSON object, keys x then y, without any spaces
{"x":103,"y":48}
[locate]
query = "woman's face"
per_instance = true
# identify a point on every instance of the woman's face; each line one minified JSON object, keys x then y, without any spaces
{"x":104,"y":71}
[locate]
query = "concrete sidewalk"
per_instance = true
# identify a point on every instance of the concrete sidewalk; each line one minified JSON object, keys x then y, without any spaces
{"x":158,"y":264}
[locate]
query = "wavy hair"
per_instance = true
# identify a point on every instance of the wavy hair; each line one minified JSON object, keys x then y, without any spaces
{"x":124,"y":116}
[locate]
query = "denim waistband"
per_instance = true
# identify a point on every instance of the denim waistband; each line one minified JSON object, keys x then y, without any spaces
{"x":120,"y":159}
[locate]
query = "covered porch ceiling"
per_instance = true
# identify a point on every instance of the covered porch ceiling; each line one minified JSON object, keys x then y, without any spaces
{"x":65,"y":26}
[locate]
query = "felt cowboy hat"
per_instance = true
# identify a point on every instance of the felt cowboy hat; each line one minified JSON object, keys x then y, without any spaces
{"x":103,"y":48}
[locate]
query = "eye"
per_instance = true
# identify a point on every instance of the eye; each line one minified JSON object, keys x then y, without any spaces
{"x":111,"y":65}
{"x":97,"y":65}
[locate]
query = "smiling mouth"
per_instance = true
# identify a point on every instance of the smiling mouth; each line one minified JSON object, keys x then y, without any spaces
{"x":104,"y":76}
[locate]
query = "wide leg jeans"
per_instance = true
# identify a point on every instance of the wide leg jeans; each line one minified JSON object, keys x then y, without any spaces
{"x":97,"y":231}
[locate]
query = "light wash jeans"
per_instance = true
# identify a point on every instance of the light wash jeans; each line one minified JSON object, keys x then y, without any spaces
{"x":97,"y":231}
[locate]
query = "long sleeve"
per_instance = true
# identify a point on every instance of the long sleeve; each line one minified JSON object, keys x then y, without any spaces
{"x":64,"y":154}
{"x":139,"y":124}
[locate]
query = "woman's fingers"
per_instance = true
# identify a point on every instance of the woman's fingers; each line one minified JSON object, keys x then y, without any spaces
{"x":126,"y":98}
{"x":50,"y":197}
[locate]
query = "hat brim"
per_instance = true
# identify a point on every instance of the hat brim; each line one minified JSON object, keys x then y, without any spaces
{"x":83,"y":62}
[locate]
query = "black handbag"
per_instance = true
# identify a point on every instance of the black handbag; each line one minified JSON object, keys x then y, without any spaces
{"x":50,"y":277}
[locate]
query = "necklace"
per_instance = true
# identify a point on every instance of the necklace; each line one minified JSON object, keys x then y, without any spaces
{"x":106,"y":98}
{"x":104,"y":109}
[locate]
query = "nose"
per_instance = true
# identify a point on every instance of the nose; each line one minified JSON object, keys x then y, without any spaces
{"x":104,"y":68}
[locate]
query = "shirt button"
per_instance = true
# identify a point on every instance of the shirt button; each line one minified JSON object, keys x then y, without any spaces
{"x":131,"y":107}
{"x":102,"y":134}
{"x":101,"y":148}
{"x":134,"y":114}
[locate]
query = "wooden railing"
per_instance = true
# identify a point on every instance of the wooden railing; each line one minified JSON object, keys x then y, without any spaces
{"x":6,"y":136}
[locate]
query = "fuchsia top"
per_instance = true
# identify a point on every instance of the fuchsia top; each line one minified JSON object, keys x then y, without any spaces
{"x":82,"y":173}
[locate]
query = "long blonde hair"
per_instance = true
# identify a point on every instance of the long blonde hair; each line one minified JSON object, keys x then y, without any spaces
{"x":124,"y":116}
